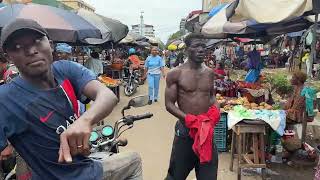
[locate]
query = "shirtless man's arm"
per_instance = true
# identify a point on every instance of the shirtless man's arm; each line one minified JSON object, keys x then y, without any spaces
{"x":171,"y":94}
{"x":213,"y":100}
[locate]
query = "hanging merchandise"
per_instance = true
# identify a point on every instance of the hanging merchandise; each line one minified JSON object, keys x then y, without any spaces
{"x":181,"y":46}
{"x":172,"y":47}
{"x":309,"y":38}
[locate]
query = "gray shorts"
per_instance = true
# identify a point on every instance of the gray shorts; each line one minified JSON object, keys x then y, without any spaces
{"x":122,"y":166}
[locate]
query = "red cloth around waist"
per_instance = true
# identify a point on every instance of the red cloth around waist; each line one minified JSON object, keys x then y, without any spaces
{"x":201,"y":131}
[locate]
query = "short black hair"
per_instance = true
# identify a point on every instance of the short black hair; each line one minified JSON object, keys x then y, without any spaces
{"x":94,"y":55}
{"x":191,"y":37}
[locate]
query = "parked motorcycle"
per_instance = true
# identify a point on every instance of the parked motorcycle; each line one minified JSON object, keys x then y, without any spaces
{"x":131,"y":79}
{"x":108,"y":139}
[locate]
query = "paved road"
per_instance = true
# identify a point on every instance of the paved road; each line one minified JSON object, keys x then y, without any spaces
{"x":152,"y":138}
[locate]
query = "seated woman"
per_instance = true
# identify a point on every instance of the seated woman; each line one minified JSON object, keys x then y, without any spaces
{"x":219,"y":71}
{"x":296,"y":105}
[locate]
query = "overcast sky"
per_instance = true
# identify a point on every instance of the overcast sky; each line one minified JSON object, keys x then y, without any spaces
{"x":165,"y":15}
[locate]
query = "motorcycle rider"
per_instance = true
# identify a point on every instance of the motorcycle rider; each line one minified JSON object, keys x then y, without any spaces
{"x":134,"y":59}
{"x":40,"y":114}
{"x":133,"y":63}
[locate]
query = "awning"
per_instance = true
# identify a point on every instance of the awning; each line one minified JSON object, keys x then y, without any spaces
{"x":270,"y":11}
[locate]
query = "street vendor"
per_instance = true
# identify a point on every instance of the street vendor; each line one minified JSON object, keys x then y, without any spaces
{"x":7,"y":71}
{"x":94,"y":63}
{"x":296,"y":104}
{"x":63,"y":51}
{"x":220,"y":71}
{"x":254,"y":66}
{"x":187,"y":85}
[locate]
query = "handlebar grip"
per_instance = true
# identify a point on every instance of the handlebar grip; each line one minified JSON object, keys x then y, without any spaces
{"x":140,"y":117}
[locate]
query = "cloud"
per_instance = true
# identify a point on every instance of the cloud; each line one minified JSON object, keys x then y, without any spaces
{"x":165,"y":15}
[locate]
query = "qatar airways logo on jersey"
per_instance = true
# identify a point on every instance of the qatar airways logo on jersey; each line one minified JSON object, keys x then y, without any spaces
{"x":60,"y":129}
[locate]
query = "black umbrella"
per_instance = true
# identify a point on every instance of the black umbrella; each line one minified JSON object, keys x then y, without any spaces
{"x":62,"y":25}
{"x":111,"y":29}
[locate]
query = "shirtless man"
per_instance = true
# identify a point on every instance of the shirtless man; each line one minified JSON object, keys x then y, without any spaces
{"x":190,"y":85}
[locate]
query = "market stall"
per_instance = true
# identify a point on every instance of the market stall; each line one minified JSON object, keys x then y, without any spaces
{"x":255,"y":126}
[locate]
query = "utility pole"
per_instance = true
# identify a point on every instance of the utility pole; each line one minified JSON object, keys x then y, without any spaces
{"x":141,"y":24}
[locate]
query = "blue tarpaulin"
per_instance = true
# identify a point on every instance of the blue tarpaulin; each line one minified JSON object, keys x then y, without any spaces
{"x":296,"y":34}
{"x":216,"y":9}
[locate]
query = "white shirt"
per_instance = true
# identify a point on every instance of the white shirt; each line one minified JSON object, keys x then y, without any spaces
{"x":218,"y":54}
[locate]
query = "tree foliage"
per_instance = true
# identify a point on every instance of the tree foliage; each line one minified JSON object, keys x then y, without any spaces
{"x":174,"y":36}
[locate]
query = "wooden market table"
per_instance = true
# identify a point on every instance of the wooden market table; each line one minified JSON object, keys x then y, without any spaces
{"x":241,"y":135}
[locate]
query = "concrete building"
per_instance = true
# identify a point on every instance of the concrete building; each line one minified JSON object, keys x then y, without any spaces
{"x":77,"y":4}
{"x":147,"y":30}
{"x":207,"y":5}
{"x":183,"y":24}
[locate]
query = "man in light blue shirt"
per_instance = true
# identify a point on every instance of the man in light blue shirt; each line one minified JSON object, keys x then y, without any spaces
{"x":154,"y":67}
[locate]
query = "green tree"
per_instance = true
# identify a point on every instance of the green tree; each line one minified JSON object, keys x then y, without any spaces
{"x":174,"y":36}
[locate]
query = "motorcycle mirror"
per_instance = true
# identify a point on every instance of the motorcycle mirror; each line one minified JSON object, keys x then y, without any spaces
{"x":139,"y":101}
{"x":94,"y":136}
{"x":107,"y":131}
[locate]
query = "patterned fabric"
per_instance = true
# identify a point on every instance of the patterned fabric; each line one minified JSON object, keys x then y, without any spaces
{"x":317,"y":174}
{"x":23,"y":171}
{"x":295,"y":106}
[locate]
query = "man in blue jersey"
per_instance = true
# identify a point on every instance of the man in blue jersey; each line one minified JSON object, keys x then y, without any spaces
{"x":40,"y":113}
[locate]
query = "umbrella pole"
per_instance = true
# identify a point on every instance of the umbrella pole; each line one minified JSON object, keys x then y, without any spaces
{"x":113,"y":53}
{"x":313,"y":46}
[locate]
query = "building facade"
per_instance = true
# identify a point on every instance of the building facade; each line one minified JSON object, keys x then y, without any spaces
{"x":183,"y":24}
{"x":207,"y":5}
{"x":78,"y":4}
{"x":147,"y":30}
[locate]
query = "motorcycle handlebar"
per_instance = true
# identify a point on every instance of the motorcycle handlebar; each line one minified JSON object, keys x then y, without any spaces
{"x":131,"y":119}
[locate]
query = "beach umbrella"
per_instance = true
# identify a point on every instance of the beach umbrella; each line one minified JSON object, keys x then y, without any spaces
{"x":111,"y":29}
{"x":143,"y":43}
{"x":132,"y":38}
{"x":154,"y":40}
{"x":62,"y":25}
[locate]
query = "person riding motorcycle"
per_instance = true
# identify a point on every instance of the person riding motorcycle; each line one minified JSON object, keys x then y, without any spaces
{"x":133,"y":62}
{"x":41,"y":116}
{"x":134,"y":59}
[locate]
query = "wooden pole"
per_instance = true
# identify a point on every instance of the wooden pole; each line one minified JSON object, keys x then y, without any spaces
{"x":313,"y":46}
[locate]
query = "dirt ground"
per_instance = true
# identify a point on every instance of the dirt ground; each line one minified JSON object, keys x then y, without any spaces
{"x":153,"y":138}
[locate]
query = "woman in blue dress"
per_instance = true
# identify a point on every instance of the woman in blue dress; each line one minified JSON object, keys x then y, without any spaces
{"x":254,"y":65}
{"x":154,"y":65}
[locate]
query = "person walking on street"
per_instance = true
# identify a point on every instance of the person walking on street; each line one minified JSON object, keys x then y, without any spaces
{"x":197,"y":114}
{"x":40,"y":113}
{"x":154,"y":67}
